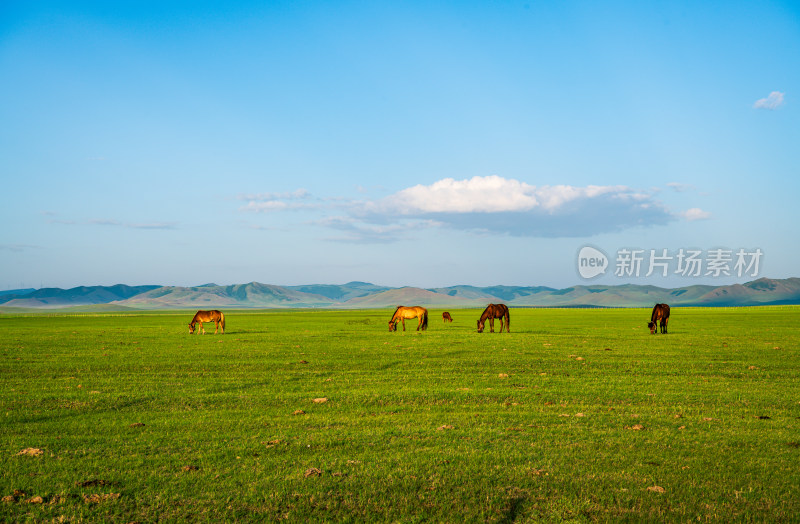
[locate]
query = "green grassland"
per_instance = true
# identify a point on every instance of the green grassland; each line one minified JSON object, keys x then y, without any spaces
{"x":575,"y":415}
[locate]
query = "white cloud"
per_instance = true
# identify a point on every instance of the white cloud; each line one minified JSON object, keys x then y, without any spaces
{"x":772,"y":102}
{"x":490,"y":194}
{"x":496,"y":204}
{"x":490,"y":204}
{"x":695,"y":213}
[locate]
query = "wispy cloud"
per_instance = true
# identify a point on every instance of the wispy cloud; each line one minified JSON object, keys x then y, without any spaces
{"x":772,"y":102}
{"x":152,"y":225}
{"x":269,"y":202}
{"x":17,"y":248}
{"x":355,"y":231}
{"x":133,"y":225}
{"x":680,"y":187}
{"x":107,"y":222}
{"x":490,"y":204}
{"x":695,"y":213}
{"x":265,"y":197}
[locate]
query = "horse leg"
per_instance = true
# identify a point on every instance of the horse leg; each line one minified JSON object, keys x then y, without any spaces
{"x":404,"y":324}
{"x":491,"y":325}
{"x":202,"y":328}
{"x":216,"y":326}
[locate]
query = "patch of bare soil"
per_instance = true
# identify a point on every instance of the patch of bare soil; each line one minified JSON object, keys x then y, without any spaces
{"x":100,"y":497}
{"x":313,"y":472}
{"x":31,"y":452}
{"x":94,"y":482}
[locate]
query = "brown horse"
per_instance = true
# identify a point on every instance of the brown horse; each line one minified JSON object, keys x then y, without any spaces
{"x":661,"y":315}
{"x":446,"y":317}
{"x":492,"y":312}
{"x":208,"y":316}
{"x":403,"y":312}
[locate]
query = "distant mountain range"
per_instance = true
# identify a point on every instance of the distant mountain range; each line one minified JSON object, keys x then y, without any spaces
{"x":362,"y":295}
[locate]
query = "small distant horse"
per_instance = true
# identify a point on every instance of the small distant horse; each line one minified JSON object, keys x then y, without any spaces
{"x":404,"y":312}
{"x":492,"y":312}
{"x":208,"y":316}
{"x":660,"y":315}
{"x":446,"y":317}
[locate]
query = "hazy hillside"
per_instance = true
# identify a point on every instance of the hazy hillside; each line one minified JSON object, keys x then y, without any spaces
{"x":365,"y":295}
{"x":341,"y":293}
{"x":761,"y":291}
{"x":17,"y":292}
{"x":408,"y":296}
{"x":77,"y":296}
{"x":252,"y":295}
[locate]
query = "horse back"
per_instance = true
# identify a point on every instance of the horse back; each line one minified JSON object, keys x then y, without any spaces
{"x":213,"y":315}
{"x":660,"y":311}
{"x":500,"y":310}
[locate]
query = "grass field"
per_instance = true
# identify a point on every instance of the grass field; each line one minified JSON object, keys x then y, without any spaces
{"x":575,"y":415}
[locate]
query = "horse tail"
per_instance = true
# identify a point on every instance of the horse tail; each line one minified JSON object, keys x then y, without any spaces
{"x":425,"y":320}
{"x":222,"y":320}
{"x":508,"y":321}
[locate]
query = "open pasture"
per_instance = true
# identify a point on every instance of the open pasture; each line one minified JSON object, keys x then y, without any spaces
{"x":327,"y":416}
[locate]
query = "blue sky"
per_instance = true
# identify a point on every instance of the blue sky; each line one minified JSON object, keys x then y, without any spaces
{"x":401,"y":143}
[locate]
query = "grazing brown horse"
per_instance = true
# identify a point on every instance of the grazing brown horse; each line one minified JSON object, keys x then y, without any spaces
{"x":661,"y":315}
{"x":404,"y":312}
{"x":446,"y":317}
{"x":208,"y":316}
{"x":492,"y":312}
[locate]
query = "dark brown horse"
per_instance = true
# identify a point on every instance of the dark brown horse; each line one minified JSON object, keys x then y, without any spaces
{"x":208,"y":316}
{"x":446,"y":317}
{"x":403,"y":312}
{"x":660,"y":315}
{"x":492,"y":312}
